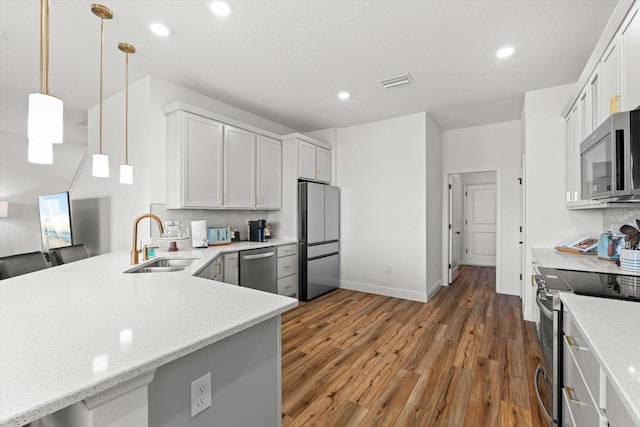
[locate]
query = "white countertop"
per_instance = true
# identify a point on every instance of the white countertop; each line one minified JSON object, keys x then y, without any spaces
{"x":611,"y":327}
{"x":71,"y":331}
{"x":567,"y":261}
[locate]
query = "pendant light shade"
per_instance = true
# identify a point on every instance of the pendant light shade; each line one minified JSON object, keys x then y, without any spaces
{"x":126,"y":170}
{"x":100,"y":166}
{"x":40,"y":152}
{"x":126,"y":174}
{"x":100,"y":160}
{"x":45,"y":116}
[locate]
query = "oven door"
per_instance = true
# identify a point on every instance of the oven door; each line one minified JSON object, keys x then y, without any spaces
{"x":546,"y":390}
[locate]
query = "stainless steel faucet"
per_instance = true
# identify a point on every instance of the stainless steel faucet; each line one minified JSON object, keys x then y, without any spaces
{"x":136,"y":251}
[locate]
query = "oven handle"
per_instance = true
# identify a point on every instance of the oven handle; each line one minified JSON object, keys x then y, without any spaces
{"x":540,"y":370}
{"x":548,"y":313}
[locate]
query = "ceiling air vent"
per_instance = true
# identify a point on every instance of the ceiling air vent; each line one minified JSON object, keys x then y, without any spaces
{"x":402,"y":79}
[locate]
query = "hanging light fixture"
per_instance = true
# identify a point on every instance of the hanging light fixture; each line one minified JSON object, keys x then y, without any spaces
{"x":126,"y":170}
{"x":100,"y":160}
{"x":44,"y":120}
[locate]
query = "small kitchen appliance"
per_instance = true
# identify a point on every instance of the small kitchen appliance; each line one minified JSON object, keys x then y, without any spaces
{"x":219,"y":235}
{"x":607,"y":246}
{"x":257,"y":230}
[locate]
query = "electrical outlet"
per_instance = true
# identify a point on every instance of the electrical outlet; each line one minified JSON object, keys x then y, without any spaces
{"x":200,"y":394}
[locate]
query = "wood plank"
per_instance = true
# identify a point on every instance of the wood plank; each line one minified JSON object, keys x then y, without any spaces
{"x":464,"y":358}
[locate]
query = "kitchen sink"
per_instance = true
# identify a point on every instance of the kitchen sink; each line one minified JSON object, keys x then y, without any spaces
{"x":163,"y":265}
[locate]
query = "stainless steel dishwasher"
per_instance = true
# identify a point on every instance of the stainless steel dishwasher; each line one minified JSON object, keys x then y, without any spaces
{"x":258,"y":269}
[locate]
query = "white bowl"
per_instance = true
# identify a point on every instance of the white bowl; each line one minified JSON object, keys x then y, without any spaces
{"x":629,"y":255}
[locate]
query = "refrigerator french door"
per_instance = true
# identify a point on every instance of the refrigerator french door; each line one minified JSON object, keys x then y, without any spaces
{"x":319,"y":236}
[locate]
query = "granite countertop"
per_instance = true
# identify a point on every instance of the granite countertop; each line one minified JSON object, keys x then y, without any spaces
{"x":611,"y":328}
{"x":71,"y":331}
{"x":567,"y":261}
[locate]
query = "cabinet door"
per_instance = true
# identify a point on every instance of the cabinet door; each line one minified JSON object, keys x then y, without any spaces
{"x":577,"y":140}
{"x":239,"y":167}
{"x":202,"y":163}
{"x":630,"y":36}
{"x":570,"y":154}
{"x":306,"y":160}
{"x":585,"y":123}
{"x":593,"y":86}
{"x":610,"y":80}
{"x":323,"y":165}
{"x":219,"y":269}
{"x":231,"y":268}
{"x":269,"y":173}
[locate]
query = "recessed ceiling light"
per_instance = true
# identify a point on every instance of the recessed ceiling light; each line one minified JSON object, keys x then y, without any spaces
{"x":344,"y":95}
{"x":160,"y":29}
{"x":220,"y":7}
{"x":505,"y":52}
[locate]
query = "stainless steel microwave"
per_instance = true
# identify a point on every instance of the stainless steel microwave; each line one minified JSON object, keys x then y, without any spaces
{"x":610,"y":159}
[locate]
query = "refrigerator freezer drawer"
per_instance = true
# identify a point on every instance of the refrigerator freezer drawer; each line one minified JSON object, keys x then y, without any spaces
{"x":325,"y":249}
{"x":323,"y":275}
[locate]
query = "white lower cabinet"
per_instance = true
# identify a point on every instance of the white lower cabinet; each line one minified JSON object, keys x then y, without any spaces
{"x":231,"y":268}
{"x":588,"y":397}
{"x":288,"y":270}
{"x":214,"y":270}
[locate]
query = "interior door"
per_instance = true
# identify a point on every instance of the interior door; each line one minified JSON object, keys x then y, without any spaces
{"x":481,"y":224}
{"x":455,"y":226}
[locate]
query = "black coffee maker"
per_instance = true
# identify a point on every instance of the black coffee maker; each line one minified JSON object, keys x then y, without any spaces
{"x":256,"y":230}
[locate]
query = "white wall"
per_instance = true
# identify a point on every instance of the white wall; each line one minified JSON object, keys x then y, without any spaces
{"x":547,"y":219}
{"x":494,"y":147}
{"x":382,"y":176}
{"x":22,"y":182}
{"x":434,"y":205}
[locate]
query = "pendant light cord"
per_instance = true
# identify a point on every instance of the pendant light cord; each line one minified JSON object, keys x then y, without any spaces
{"x":101,"y":65}
{"x":126,"y":112}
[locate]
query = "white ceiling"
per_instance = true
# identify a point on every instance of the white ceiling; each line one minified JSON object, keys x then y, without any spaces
{"x":286,"y":60}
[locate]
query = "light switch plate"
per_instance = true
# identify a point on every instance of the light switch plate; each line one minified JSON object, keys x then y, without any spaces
{"x":200,"y":394}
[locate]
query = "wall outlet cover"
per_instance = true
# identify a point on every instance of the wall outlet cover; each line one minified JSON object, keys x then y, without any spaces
{"x":200,"y":394}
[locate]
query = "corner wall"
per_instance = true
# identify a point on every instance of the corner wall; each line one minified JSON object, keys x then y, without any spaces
{"x":382,"y":177}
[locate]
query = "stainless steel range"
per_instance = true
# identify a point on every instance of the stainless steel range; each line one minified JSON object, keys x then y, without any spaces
{"x":550,"y":283}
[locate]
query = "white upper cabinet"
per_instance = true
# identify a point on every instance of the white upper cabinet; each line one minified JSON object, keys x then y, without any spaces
{"x":239,"y":168}
{"x":314,"y":163}
{"x":323,"y":165}
{"x":610,"y":81}
{"x":306,"y":160}
{"x":194,"y":161}
{"x":630,"y":44}
{"x":269,"y":173}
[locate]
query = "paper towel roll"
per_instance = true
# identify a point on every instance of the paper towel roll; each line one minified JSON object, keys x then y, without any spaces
{"x":199,"y":234}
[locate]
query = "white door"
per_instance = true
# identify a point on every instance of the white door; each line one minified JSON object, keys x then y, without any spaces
{"x":481,"y":224}
{"x":455,"y":226}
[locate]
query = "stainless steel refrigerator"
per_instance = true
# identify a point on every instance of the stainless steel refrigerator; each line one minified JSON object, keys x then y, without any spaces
{"x":319,"y":236}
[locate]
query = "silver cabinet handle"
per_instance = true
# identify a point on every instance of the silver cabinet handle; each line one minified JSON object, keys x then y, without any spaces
{"x":264,"y":255}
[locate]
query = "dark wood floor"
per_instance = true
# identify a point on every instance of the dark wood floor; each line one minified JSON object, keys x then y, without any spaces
{"x":466,"y":358}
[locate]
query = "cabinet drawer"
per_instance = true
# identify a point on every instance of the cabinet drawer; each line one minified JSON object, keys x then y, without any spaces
{"x":582,"y":407}
{"x":286,"y":250}
{"x":617,"y":413}
{"x":584,"y":358}
{"x":287,"y":265}
{"x":288,"y":286}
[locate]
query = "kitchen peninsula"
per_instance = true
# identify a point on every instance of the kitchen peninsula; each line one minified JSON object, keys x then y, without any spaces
{"x":85,"y":335}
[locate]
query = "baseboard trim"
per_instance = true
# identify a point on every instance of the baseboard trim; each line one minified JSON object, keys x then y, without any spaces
{"x":529,"y":315}
{"x":431,"y":292}
{"x":383,"y":290}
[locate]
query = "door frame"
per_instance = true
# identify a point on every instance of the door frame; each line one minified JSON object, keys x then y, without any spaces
{"x":445,"y":222}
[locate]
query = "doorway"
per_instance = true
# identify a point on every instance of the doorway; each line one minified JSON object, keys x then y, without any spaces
{"x":473,"y":220}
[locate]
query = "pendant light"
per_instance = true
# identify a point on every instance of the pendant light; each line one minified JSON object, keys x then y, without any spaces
{"x":126,"y":170}
{"x":100,"y":160}
{"x":44,"y":120}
